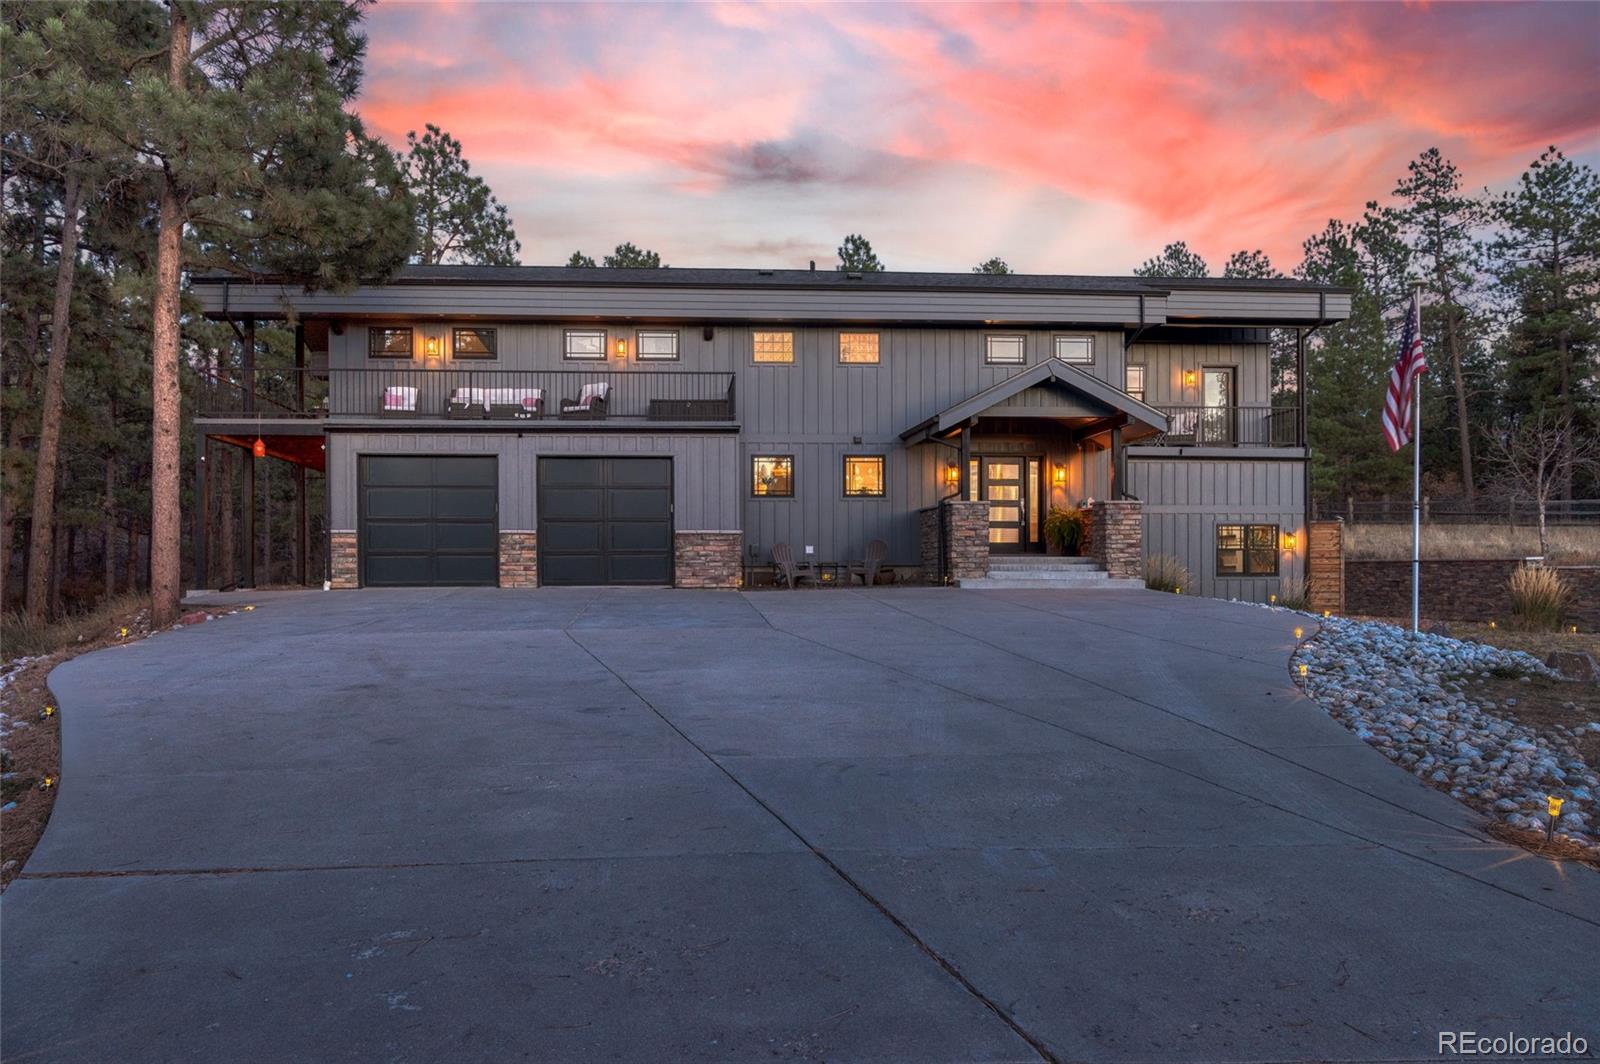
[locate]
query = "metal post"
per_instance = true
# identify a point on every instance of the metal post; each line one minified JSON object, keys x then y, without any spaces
{"x":202,"y":514}
{"x":1416,"y":493}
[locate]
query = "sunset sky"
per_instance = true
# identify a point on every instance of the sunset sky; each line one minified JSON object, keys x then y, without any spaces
{"x":1063,"y":138}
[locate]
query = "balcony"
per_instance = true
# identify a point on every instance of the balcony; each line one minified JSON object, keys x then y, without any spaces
{"x":512,"y":396}
{"x":1232,"y":426}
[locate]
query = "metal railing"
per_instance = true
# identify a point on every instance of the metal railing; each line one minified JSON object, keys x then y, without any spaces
{"x":407,"y":392}
{"x":1232,"y":426}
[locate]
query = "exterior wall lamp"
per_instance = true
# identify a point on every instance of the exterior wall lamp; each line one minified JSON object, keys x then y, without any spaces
{"x":952,"y":475}
{"x":1190,"y":378}
{"x":431,"y":346}
{"x":1058,"y":476}
{"x":622,"y":348}
{"x":1287,"y":541}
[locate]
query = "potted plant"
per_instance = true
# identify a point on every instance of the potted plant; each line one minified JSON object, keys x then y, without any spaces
{"x":1064,"y":530}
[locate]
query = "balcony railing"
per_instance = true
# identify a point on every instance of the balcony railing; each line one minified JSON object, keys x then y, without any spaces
{"x":456,"y":394}
{"x":1232,"y":426}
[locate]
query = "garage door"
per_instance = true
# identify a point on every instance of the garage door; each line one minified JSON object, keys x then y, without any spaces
{"x":427,"y":520}
{"x":605,"y":521}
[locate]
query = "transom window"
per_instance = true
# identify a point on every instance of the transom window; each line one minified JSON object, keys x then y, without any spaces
{"x":389,"y":342}
{"x":863,"y":475}
{"x":858,"y":349}
{"x":1247,"y":550}
{"x":1135,"y":382}
{"x":472,"y":343}
{"x":658,"y":345}
{"x":774,"y":347}
{"x":772,"y":476}
{"x":1076,"y":349}
{"x":1005,"y":350}
{"x":586,"y":344}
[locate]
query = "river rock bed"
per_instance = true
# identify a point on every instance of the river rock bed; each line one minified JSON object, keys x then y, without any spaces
{"x":1412,"y":697}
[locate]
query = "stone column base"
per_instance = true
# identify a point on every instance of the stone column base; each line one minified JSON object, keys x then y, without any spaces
{"x":1116,"y":537}
{"x":346,"y":559}
{"x":707,"y":559}
{"x":966,"y":539}
{"x":519,"y":559}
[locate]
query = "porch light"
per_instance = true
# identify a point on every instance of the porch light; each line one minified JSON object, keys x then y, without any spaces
{"x":1287,"y":541}
{"x":1059,"y":476}
{"x":1190,"y":377}
{"x":430,"y":347}
{"x":259,"y":448}
{"x":622,"y":348}
{"x":952,"y":475}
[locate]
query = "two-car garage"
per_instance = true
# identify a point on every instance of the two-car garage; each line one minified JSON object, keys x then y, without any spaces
{"x":434,"y":520}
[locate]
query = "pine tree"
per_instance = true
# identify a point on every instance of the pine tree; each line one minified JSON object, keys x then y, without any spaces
{"x":457,"y":217}
{"x":1250,"y":264}
{"x":1175,"y":260}
{"x":580,"y":261}
{"x":628,"y":257}
{"x":994,"y":265}
{"x":856,"y":256}
{"x":1439,"y":222}
{"x":255,"y":153}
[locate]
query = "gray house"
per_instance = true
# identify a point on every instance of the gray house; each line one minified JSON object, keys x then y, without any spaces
{"x":529,"y":426}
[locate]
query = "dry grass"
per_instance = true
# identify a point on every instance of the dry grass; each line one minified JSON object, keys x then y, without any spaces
{"x":1569,"y":544}
{"x":20,"y":638}
{"x":1539,"y":599}
{"x":1163,"y":572}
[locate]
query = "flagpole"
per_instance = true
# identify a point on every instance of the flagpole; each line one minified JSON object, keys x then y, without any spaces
{"x":1416,"y":482}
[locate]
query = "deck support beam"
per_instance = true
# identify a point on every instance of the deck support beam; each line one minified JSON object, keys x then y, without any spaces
{"x":248,"y":368}
{"x":202,"y":515}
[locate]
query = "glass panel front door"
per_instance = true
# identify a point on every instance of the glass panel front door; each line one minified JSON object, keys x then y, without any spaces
{"x":1002,"y":482}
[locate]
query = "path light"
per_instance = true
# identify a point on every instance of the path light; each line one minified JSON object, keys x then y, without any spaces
{"x":1553,"y":804}
{"x":1573,"y":629}
{"x":1304,"y":669}
{"x":47,"y":711}
{"x":46,"y":783}
{"x":1326,"y":614}
{"x":1491,"y":626}
{"x":1273,"y":599}
{"x":122,"y":634}
{"x":1298,"y":632}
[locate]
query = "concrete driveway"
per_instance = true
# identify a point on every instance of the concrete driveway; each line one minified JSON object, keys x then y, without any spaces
{"x":910,"y":825}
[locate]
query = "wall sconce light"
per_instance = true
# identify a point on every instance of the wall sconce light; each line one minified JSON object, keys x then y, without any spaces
{"x":952,"y":475}
{"x":1190,"y":378}
{"x":1287,"y":541}
{"x":1058,"y":476}
{"x":622,"y":348}
{"x":430,"y":347}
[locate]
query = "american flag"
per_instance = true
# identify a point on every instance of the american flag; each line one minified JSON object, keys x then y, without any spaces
{"x":1408,"y":365}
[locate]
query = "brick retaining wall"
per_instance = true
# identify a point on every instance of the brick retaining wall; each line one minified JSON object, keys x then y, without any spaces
{"x":519,"y":559}
{"x":1470,"y":590}
{"x":707,"y":559}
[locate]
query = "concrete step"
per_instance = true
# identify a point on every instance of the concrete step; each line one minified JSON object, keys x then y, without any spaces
{"x":1035,"y":562}
{"x":1097,"y":581}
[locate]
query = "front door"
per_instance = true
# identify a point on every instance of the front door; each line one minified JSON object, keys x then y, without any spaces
{"x":1003,"y":483}
{"x":1217,"y":417}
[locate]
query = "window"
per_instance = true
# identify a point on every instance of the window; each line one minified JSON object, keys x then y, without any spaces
{"x":587,"y":344}
{"x":1075,"y":349}
{"x":1135,"y":382}
{"x":1247,"y":550}
{"x":772,"y":476}
{"x":659,"y":346}
{"x":774,"y":347}
{"x":1005,"y":350}
{"x":389,"y":342}
{"x":863,"y":475}
{"x":472,"y":343}
{"x":858,"y":349}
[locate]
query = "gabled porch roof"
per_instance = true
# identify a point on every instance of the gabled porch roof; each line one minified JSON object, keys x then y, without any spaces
{"x":1107,"y":401}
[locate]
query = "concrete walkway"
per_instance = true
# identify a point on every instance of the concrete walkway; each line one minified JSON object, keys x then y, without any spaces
{"x":908,"y":825}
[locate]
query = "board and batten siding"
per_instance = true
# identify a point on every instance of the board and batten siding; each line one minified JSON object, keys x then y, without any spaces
{"x":705,"y":497}
{"x":1186,"y":498}
{"x":1166,"y":363}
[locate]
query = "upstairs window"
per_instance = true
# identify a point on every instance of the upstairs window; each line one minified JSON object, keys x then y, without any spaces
{"x":1078,"y":350}
{"x":658,"y":346}
{"x":1247,"y":550}
{"x":588,"y":345}
{"x":775,"y":347}
{"x":1005,"y":350}
{"x":1135,"y":382}
{"x":863,"y":475}
{"x":472,"y":343}
{"x":858,"y":349}
{"x":389,"y":342}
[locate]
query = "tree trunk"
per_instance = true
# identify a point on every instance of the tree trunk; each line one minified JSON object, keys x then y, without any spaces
{"x":109,"y":529}
{"x":131,"y":562}
{"x":44,"y":477}
{"x":1463,"y":428}
{"x":166,"y":518}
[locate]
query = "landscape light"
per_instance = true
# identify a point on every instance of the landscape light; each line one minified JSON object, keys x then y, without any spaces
{"x":1304,"y":669}
{"x":1298,"y":632}
{"x":1554,"y":804}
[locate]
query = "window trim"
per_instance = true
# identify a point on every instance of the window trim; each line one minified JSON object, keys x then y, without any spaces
{"x":838,"y":346}
{"x":494,"y":343}
{"x":566,"y":345}
{"x":638,"y":345}
{"x":883,"y":476}
{"x":754,"y":458}
{"x":793,"y":344}
{"x":1055,"y":347}
{"x":1144,"y":379}
{"x":410,"y":352}
{"x":988,"y":350}
{"x":1244,"y":528}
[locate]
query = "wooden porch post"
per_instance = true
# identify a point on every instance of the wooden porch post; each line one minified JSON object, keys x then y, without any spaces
{"x":966,"y":459}
{"x":302,"y":542}
{"x":249,"y":368}
{"x":202,"y":514}
{"x":1119,"y":471}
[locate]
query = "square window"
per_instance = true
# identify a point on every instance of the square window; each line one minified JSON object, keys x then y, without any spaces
{"x":1247,"y":550}
{"x":858,"y":349}
{"x":472,"y":343}
{"x":1075,"y":349}
{"x":774,"y":346}
{"x":772,"y":476}
{"x":658,"y":346}
{"x":863,"y":475}
{"x":1135,"y":382}
{"x":586,"y":344}
{"x":1005,"y":350}
{"x":389,"y":342}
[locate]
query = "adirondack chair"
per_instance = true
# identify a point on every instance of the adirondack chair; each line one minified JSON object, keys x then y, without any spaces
{"x":867,"y":568}
{"x":790,"y":570}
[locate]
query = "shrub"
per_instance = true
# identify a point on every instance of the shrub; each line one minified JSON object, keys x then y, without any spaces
{"x":1163,"y":572}
{"x":1293,"y":595}
{"x":1066,"y":528}
{"x":1539,"y":599}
